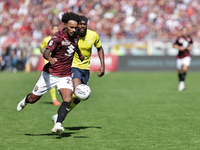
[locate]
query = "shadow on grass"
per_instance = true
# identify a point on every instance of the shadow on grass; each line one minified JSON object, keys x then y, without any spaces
{"x":79,"y":128}
{"x":47,"y":103}
{"x":66,"y":134}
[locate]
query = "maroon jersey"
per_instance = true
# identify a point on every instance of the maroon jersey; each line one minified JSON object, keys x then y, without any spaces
{"x":184,"y":41}
{"x":62,"y":48}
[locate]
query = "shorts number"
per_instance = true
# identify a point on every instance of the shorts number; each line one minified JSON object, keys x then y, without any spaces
{"x":68,"y":81}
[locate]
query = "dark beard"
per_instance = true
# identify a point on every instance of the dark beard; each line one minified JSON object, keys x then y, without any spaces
{"x":82,"y":34}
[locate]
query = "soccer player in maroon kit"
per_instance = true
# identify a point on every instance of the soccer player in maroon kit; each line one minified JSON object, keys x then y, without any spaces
{"x":59,"y":51}
{"x":184,"y":44}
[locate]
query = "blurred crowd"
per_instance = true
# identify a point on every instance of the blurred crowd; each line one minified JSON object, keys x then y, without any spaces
{"x":24,"y":23}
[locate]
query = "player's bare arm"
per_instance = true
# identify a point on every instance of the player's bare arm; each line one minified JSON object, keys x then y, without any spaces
{"x":190,"y":47}
{"x":47,"y":55}
{"x":81,"y":57}
{"x":41,"y":50}
{"x":101,"y":70}
{"x":180,"y":48}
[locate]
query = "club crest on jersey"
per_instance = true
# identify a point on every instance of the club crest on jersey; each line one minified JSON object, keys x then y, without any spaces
{"x":65,"y":42}
{"x":36,"y":88}
{"x":50,"y":43}
{"x":88,"y":40}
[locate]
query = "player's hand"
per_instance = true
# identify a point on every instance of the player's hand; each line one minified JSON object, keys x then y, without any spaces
{"x":52,"y":60}
{"x":101,"y":71}
{"x":81,"y":57}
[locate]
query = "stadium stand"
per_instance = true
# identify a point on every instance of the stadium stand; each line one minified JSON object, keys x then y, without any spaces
{"x":24,"y":23}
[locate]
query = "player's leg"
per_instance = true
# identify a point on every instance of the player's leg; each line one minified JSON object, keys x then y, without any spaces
{"x":179,"y":68}
{"x":53,"y":96}
{"x":43,"y":85}
{"x":30,"y":98}
{"x":64,"y":108}
{"x":185,"y":68}
{"x":179,"y":64}
{"x":186,"y":64}
{"x":52,"y":91}
{"x":181,"y":85}
{"x":180,"y":72}
{"x":65,"y":88}
{"x":79,"y":77}
{"x":182,"y":75}
{"x":75,"y":101}
{"x":40,"y":88}
{"x":62,"y":111}
{"x":76,"y":79}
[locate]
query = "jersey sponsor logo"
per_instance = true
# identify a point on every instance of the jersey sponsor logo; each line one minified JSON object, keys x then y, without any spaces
{"x":70,"y":50}
{"x":54,"y":37}
{"x":50,"y":43}
{"x":184,"y":42}
{"x":66,"y":42}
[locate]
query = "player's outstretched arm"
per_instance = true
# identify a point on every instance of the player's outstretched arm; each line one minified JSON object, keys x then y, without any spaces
{"x":101,"y":69}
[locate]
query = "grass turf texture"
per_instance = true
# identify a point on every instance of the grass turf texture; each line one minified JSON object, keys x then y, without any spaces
{"x":127,"y":110}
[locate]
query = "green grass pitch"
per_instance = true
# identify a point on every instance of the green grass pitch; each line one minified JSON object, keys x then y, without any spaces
{"x":126,"y":111}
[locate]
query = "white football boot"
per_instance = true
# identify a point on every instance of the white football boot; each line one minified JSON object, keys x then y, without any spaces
{"x":21,"y":104}
{"x":181,"y":86}
{"x":57,"y":129}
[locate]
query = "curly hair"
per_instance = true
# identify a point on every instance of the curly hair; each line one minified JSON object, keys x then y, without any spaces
{"x":70,"y":16}
{"x":83,"y":18}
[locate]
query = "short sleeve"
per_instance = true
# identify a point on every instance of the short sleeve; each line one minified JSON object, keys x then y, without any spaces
{"x":97,"y":42}
{"x":53,"y":43}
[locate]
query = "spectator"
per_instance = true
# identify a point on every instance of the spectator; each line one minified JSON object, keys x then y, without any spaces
{"x":30,"y":20}
{"x":2,"y":63}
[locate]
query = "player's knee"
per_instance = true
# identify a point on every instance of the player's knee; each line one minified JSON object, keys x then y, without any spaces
{"x":68,"y":99}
